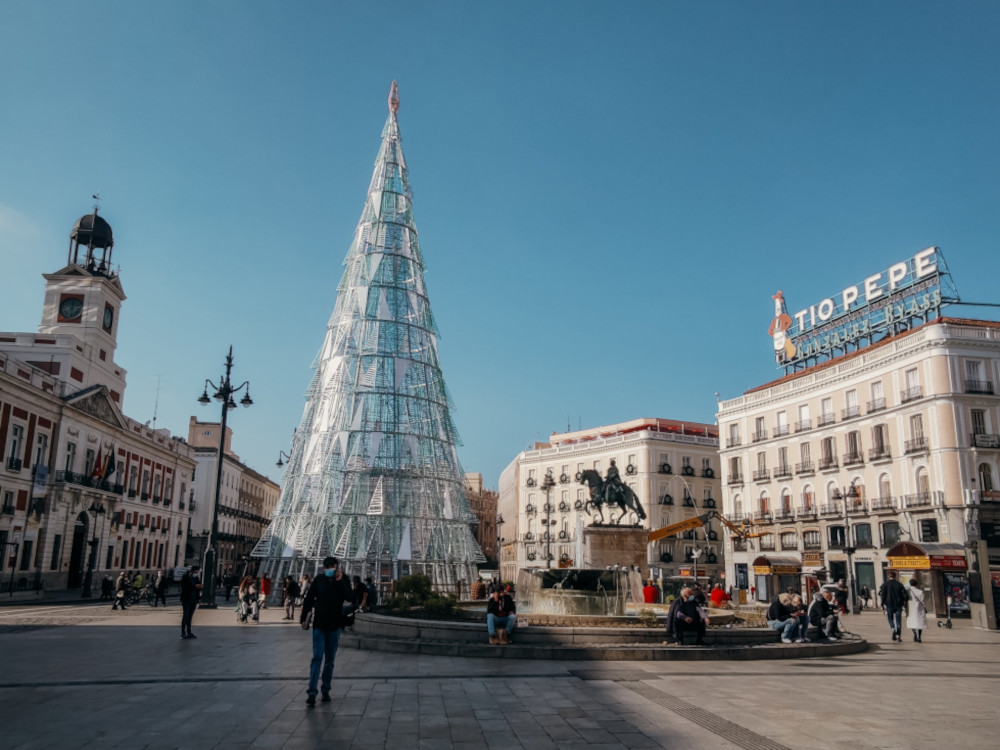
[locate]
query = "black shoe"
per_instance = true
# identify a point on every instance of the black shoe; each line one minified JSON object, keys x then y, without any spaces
{"x":192,"y":635}
{"x":311,"y":700}
{"x":325,"y":698}
{"x":183,"y":637}
{"x":893,"y":635}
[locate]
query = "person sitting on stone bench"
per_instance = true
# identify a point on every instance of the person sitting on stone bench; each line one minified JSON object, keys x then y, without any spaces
{"x":685,"y":615}
{"x":779,"y":617}
{"x":823,"y":622}
{"x":500,"y":611}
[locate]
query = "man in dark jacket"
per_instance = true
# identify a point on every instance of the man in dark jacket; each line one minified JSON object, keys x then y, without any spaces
{"x":894,"y":598}
{"x":325,"y":601}
{"x":823,"y":622}
{"x":685,"y":614}
{"x":500,"y":611}
{"x":190,"y":592}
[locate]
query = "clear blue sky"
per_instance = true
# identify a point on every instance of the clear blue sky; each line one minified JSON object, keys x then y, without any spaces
{"x":607,"y":194}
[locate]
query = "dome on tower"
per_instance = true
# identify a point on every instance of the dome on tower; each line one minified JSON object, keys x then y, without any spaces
{"x":93,"y":231}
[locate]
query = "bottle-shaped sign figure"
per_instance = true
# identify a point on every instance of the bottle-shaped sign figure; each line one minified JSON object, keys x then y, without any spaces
{"x":784,"y":349}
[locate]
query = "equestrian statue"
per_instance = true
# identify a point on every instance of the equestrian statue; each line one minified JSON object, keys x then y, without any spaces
{"x":610,"y":491}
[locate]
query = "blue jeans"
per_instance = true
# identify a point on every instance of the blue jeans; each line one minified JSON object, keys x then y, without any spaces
{"x":803,"y":623}
{"x":895,"y":615}
{"x":507,"y":623}
{"x":325,"y":643}
{"x":787,"y":627}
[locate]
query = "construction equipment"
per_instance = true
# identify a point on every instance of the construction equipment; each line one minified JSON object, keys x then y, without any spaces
{"x":743,"y":531}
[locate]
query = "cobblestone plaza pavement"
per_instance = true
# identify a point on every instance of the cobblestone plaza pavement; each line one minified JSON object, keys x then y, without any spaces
{"x":78,"y":675}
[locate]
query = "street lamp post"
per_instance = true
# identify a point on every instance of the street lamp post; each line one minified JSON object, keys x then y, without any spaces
{"x":283,"y":458}
{"x":500,"y":523}
{"x":224,"y":392}
{"x":851,"y":493}
{"x":547,"y":484}
{"x":96,"y":509}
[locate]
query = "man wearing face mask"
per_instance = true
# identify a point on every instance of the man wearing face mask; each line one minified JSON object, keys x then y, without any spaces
{"x":325,"y":601}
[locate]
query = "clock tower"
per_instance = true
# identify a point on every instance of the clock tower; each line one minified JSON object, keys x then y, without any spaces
{"x":78,"y":335}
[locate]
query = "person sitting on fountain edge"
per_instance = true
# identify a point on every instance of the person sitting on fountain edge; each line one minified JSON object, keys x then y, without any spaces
{"x":685,"y":614}
{"x":500,"y":611}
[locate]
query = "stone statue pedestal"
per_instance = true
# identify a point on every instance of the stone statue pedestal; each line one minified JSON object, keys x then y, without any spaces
{"x":615,"y":545}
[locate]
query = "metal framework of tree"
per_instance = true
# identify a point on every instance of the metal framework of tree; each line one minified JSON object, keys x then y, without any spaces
{"x":374,"y":476}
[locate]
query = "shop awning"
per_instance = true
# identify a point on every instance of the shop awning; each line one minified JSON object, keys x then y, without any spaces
{"x":773,"y":565}
{"x":926,"y":556}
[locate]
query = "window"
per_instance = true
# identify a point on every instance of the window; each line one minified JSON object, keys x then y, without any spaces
{"x":789,"y":540}
{"x":786,"y":501}
{"x":26,"y":554}
{"x":686,"y":462}
{"x":837,"y":537}
{"x":56,"y":543}
{"x":890,"y":533}
{"x":738,"y":506}
{"x":863,"y":535}
{"x":761,"y":431}
{"x":853,"y":446}
{"x":811,"y":539}
{"x":782,"y":424}
{"x":765,"y":504}
{"x":706,"y":464}
{"x":928,"y":530}
{"x":851,"y":404}
{"x":978,"y":422}
{"x":133,"y":477}
{"x":767,"y":542}
{"x":880,"y":440}
{"x":783,"y":458}
{"x":826,"y":411}
{"x":734,"y":435}
{"x":41,"y":449}
{"x":985,"y":478}
{"x":70,"y":456}
{"x":88,"y":467}
{"x":16,"y":439}
{"x":808,"y":498}
{"x":736,"y":468}
{"x":878,"y":397}
{"x":884,"y":487}
{"x":912,"y":378}
{"x":762,"y":461}
{"x":917,"y":426}
{"x":804,"y":415}
{"x":804,"y":453}
{"x":829,"y":450}
{"x":923,"y":483}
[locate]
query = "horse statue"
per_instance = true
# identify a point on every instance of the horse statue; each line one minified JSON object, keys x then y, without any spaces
{"x":610,"y":492}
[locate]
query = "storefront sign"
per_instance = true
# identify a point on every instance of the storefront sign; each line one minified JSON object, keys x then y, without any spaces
{"x":910,"y":563}
{"x":784,"y":570}
{"x":812,"y":559}
{"x":685,"y":572}
{"x":986,"y":441}
{"x":882,"y":304}
{"x":761,"y":570}
{"x":948,"y":562}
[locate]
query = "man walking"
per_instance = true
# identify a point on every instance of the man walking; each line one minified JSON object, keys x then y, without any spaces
{"x":161,"y":589}
{"x":325,"y":600}
{"x":190,"y":591}
{"x":894,"y":598}
{"x":121,"y":590}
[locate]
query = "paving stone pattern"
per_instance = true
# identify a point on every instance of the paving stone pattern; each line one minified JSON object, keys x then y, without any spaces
{"x":80,"y":676}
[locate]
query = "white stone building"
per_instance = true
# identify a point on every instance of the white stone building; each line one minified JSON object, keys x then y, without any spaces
{"x":672,"y":467}
{"x":911,"y":421}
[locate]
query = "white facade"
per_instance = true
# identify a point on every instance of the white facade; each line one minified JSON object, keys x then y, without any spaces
{"x":672,"y":467}
{"x":911,"y":421}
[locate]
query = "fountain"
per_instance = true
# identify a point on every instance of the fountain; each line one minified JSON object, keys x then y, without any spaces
{"x":577,"y":591}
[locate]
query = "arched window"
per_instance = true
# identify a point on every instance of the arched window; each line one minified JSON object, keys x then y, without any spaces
{"x":786,"y":500}
{"x":808,"y":497}
{"x":985,"y":477}
{"x":738,"y":506}
{"x":832,"y":492}
{"x":884,"y":488}
{"x":765,"y":503}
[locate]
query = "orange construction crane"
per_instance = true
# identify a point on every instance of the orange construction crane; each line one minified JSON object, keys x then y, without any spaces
{"x":742,"y":530}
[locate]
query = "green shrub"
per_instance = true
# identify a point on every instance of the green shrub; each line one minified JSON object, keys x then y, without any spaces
{"x":415,"y":588}
{"x":647,"y":618}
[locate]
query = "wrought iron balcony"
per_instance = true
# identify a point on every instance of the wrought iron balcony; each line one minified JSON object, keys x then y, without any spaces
{"x":827,"y":463}
{"x":825,"y":419}
{"x":806,"y":467}
{"x":780,"y":431}
{"x":7,"y":510}
{"x":85,"y":480}
{"x":853,"y":458}
{"x":850,"y":413}
{"x":758,"y":436}
{"x":917,"y":500}
{"x":979,"y":386}
{"x":916,"y":445}
{"x":761,"y":475}
{"x":875,"y":405}
{"x":832,"y":509}
{"x":144,"y":497}
{"x":784,"y":514}
{"x":808,"y":545}
{"x":911,"y":394}
{"x":763,"y":516}
{"x":13,"y":464}
{"x":880,"y":453}
{"x":733,"y":442}
{"x":882,"y":504}
{"x":782,"y":471}
{"x":736,"y":478}
{"x":806,"y":512}
{"x":803,"y":424}
{"x":739,"y":545}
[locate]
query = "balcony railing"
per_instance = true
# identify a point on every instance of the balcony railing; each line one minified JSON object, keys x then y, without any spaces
{"x":911,"y":394}
{"x":733,"y":442}
{"x":877,"y":404}
{"x":782,"y":471}
{"x":7,"y":510}
{"x":780,"y":431}
{"x":13,"y":464}
{"x":811,"y":545}
{"x":979,"y":386}
{"x":916,"y":445}
{"x":806,"y":512}
{"x":825,"y":419}
{"x":917,"y":500}
{"x":85,"y":480}
{"x":984,"y":440}
{"x":851,"y":459}
{"x":806,"y":467}
{"x":880,"y":453}
{"x":763,"y":516}
{"x":803,"y":424}
{"x":882,"y":503}
{"x":784,"y":514}
{"x":832,"y":509}
{"x":827,"y":463}
{"x":850,"y":412}
{"x":761,"y":475}
{"x":736,"y":478}
{"x":739,"y":545}
{"x":758,"y":436}
{"x":144,"y":497}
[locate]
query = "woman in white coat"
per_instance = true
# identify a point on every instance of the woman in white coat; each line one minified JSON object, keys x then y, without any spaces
{"x":916,"y":617}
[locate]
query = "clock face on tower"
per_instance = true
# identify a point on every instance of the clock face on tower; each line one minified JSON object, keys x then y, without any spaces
{"x":109,"y":317}
{"x":70,"y":309}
